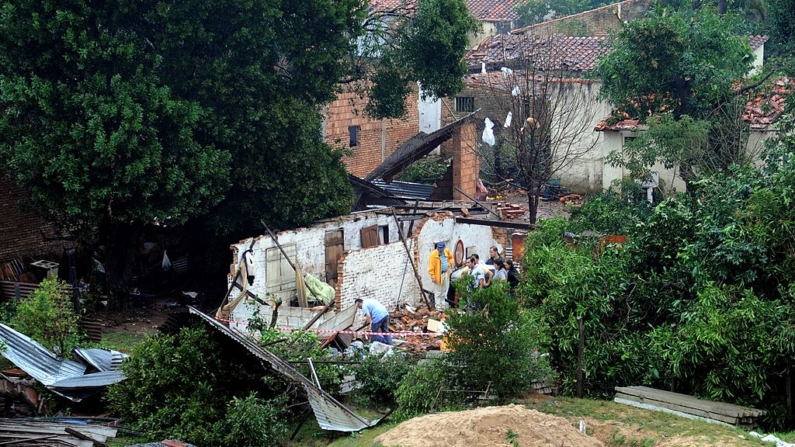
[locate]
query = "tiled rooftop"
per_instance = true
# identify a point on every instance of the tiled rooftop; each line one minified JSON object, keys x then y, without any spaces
{"x":493,"y":10}
{"x":761,"y":110}
{"x":547,"y":52}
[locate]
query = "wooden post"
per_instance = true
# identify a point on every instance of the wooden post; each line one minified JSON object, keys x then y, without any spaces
{"x":789,"y":396}
{"x":411,"y":260}
{"x":273,"y":236}
{"x":580,"y":356}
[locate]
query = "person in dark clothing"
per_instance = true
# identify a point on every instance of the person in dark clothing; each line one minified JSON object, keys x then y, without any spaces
{"x":513,"y":275}
{"x":494,"y":255}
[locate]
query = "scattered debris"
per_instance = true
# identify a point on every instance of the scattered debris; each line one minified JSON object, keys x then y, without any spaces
{"x":93,"y":370}
{"x":416,"y":320}
{"x":571,"y":200}
{"x":48,"y":433}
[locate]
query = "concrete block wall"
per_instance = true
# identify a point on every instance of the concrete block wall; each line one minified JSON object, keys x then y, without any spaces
{"x":20,"y":232}
{"x":373,"y":135}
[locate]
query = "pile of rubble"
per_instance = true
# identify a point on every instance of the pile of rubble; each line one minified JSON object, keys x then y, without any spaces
{"x":409,"y":319}
{"x":510,"y":210}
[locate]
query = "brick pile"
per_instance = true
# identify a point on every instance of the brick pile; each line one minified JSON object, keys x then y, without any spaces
{"x":416,"y":320}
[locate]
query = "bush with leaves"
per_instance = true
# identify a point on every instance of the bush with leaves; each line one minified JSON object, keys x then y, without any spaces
{"x":427,"y":170}
{"x":499,"y":337}
{"x":379,"y":377}
{"x":418,"y":390}
{"x":179,"y":386}
{"x":48,"y":317}
{"x":252,"y":422}
{"x":298,"y":346}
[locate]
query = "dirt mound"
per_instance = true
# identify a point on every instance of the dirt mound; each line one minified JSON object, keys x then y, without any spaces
{"x":487,"y":427}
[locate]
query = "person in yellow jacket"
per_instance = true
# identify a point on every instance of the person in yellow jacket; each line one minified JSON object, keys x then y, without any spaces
{"x":440,"y":267}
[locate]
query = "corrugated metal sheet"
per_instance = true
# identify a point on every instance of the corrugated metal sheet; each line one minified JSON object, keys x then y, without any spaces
{"x":64,"y":377}
{"x":406,"y":190}
{"x":34,"y":359}
{"x":101,"y":359}
{"x":330,"y":413}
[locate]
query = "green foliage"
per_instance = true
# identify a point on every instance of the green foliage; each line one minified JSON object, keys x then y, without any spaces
{"x":427,"y":170}
{"x":253,"y":422}
{"x":699,"y":298}
{"x":154,"y":400}
{"x":683,"y":63}
{"x":428,"y":47}
{"x":380,"y":376}
{"x":48,"y":317}
{"x":298,"y":346}
{"x":418,"y":391}
{"x":500,"y":336}
{"x":88,"y":126}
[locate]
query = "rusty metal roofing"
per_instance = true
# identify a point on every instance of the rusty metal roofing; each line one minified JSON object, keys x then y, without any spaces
{"x":330,"y":413}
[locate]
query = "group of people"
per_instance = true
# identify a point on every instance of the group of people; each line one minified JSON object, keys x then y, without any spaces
{"x":441,"y":268}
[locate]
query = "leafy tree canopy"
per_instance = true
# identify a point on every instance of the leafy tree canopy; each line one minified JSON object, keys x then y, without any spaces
{"x":424,"y":44}
{"x":683,"y":63}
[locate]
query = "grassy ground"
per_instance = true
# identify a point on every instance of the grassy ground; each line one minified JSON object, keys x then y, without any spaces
{"x":121,"y":341}
{"x":614,"y":424}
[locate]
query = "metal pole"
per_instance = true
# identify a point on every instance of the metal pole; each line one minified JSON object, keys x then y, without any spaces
{"x":580,"y":356}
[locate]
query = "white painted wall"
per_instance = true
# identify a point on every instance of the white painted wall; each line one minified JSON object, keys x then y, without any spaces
{"x":614,"y":141}
{"x":578,"y":147}
{"x":478,"y":237}
{"x":382,"y":273}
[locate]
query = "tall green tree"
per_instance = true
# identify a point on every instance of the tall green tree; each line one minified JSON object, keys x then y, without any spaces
{"x":678,"y":71}
{"x":424,"y":42}
{"x":118,"y":113}
{"x":88,"y":127}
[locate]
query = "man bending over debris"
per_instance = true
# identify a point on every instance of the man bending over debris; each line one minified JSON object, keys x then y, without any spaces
{"x":377,"y":316}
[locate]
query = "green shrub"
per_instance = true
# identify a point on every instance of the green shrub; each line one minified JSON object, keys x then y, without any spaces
{"x":427,"y":170}
{"x":380,"y":376}
{"x":48,"y":317}
{"x":298,"y":346}
{"x":497,"y":346}
{"x":417,"y":392}
{"x":253,"y":422}
{"x":179,"y":385}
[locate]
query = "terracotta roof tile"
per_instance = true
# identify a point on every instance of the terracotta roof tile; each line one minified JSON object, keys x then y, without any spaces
{"x":757,"y":41}
{"x":761,"y":110}
{"x":547,"y":52}
{"x":493,"y":10}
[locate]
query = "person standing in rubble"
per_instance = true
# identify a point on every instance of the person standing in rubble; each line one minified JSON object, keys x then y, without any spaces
{"x":440,"y":267}
{"x":376,"y":315}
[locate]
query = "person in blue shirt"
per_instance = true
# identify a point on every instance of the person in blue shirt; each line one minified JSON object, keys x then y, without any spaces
{"x":377,"y":316}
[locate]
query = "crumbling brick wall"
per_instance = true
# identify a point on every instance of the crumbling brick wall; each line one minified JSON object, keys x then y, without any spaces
{"x":373,"y":135}
{"x":21,"y":233}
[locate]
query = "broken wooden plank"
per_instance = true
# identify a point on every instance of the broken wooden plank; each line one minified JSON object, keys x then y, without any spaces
{"x":660,"y":406}
{"x":688,"y":401}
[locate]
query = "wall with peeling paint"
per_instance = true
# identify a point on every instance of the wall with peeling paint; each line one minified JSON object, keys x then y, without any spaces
{"x":382,"y":272}
{"x":475,"y":238}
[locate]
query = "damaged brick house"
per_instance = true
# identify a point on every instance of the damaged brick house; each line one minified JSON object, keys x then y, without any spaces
{"x":361,"y":255}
